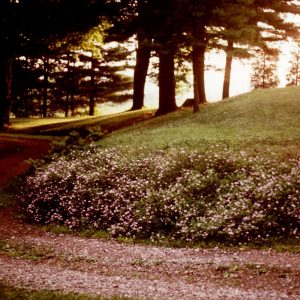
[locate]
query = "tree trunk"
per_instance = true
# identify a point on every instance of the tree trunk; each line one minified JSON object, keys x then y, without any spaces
{"x":26,"y":100}
{"x":196,"y":74}
{"x":166,"y":78}
{"x":92,"y":97}
{"x":45,"y":90}
{"x":227,"y":74}
{"x":201,"y":86}
{"x":140,"y":74}
{"x":92,"y":91}
{"x":9,"y":91}
{"x":67,"y":104}
{"x":72,"y":104}
{"x":5,"y":90}
{"x":198,"y":57}
{"x":68,"y":85}
{"x":199,"y":75}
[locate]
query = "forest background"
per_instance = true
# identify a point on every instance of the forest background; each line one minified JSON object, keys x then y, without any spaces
{"x":55,"y":60}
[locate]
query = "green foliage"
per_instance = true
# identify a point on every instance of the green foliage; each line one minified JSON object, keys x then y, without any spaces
{"x":178,"y":194}
{"x":75,"y":140}
{"x":293,"y":75}
{"x":25,"y":251}
{"x":72,"y":82}
{"x":264,"y":71}
{"x":34,"y":25}
{"x":35,"y":28}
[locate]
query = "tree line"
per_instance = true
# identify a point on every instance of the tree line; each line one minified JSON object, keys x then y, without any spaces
{"x":68,"y":83}
{"x":264,"y":69}
{"x":172,"y":30}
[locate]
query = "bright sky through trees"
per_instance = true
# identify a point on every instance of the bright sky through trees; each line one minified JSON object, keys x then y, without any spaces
{"x":240,"y":83}
{"x":241,"y":70}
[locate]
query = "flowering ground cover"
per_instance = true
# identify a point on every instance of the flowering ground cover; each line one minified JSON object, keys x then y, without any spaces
{"x":175,"y":194}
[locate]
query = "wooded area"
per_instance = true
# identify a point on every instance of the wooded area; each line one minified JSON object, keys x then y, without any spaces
{"x":52,"y":60}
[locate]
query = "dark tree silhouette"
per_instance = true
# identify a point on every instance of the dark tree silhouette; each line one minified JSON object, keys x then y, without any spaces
{"x":33,"y":28}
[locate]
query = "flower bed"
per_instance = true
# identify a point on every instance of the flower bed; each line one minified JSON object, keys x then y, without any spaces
{"x":179,"y":194}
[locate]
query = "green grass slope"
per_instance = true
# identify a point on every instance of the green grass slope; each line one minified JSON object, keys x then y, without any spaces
{"x":257,"y":120}
{"x":167,"y":179}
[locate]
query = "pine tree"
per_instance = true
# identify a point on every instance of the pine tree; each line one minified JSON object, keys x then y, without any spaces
{"x":293,"y":75}
{"x":213,"y":24}
{"x":264,"y":68}
{"x":265,"y":23}
{"x":33,"y":27}
{"x":129,"y":18}
{"x":70,"y":81}
{"x":239,"y":33}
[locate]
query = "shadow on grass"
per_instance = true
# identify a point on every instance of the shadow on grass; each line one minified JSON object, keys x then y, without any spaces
{"x":105,"y":123}
{"x":12,"y":293}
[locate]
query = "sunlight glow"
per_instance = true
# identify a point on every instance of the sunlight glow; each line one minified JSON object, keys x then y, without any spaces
{"x":240,"y":74}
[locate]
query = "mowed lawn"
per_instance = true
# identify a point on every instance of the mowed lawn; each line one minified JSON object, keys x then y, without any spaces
{"x":257,"y":121}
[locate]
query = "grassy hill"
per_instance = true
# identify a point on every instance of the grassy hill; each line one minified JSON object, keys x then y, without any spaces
{"x":229,"y":174}
{"x":258,"y":120}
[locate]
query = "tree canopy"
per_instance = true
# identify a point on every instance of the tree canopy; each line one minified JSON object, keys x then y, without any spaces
{"x":236,"y":26}
{"x":36,"y":27}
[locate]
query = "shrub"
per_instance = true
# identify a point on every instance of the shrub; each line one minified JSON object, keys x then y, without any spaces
{"x":178,"y":194}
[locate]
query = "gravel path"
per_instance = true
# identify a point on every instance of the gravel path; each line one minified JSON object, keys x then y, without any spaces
{"x":35,"y":259}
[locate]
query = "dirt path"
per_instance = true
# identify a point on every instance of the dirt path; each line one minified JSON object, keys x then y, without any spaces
{"x":35,"y":259}
{"x":15,"y":151}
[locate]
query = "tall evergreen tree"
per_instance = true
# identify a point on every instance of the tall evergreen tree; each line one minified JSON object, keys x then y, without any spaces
{"x":198,"y":18}
{"x":293,"y":75}
{"x":239,"y":30}
{"x":128,"y":19}
{"x":264,"y":73}
{"x":143,"y":54}
{"x":273,"y":28}
{"x":71,"y":82}
{"x":165,"y":33}
{"x":209,"y":24}
{"x":166,"y":25}
{"x":263,"y":22}
{"x":29,"y":27}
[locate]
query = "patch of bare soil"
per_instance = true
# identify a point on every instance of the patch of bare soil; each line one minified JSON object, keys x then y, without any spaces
{"x":15,"y":151}
{"x":35,"y":259}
